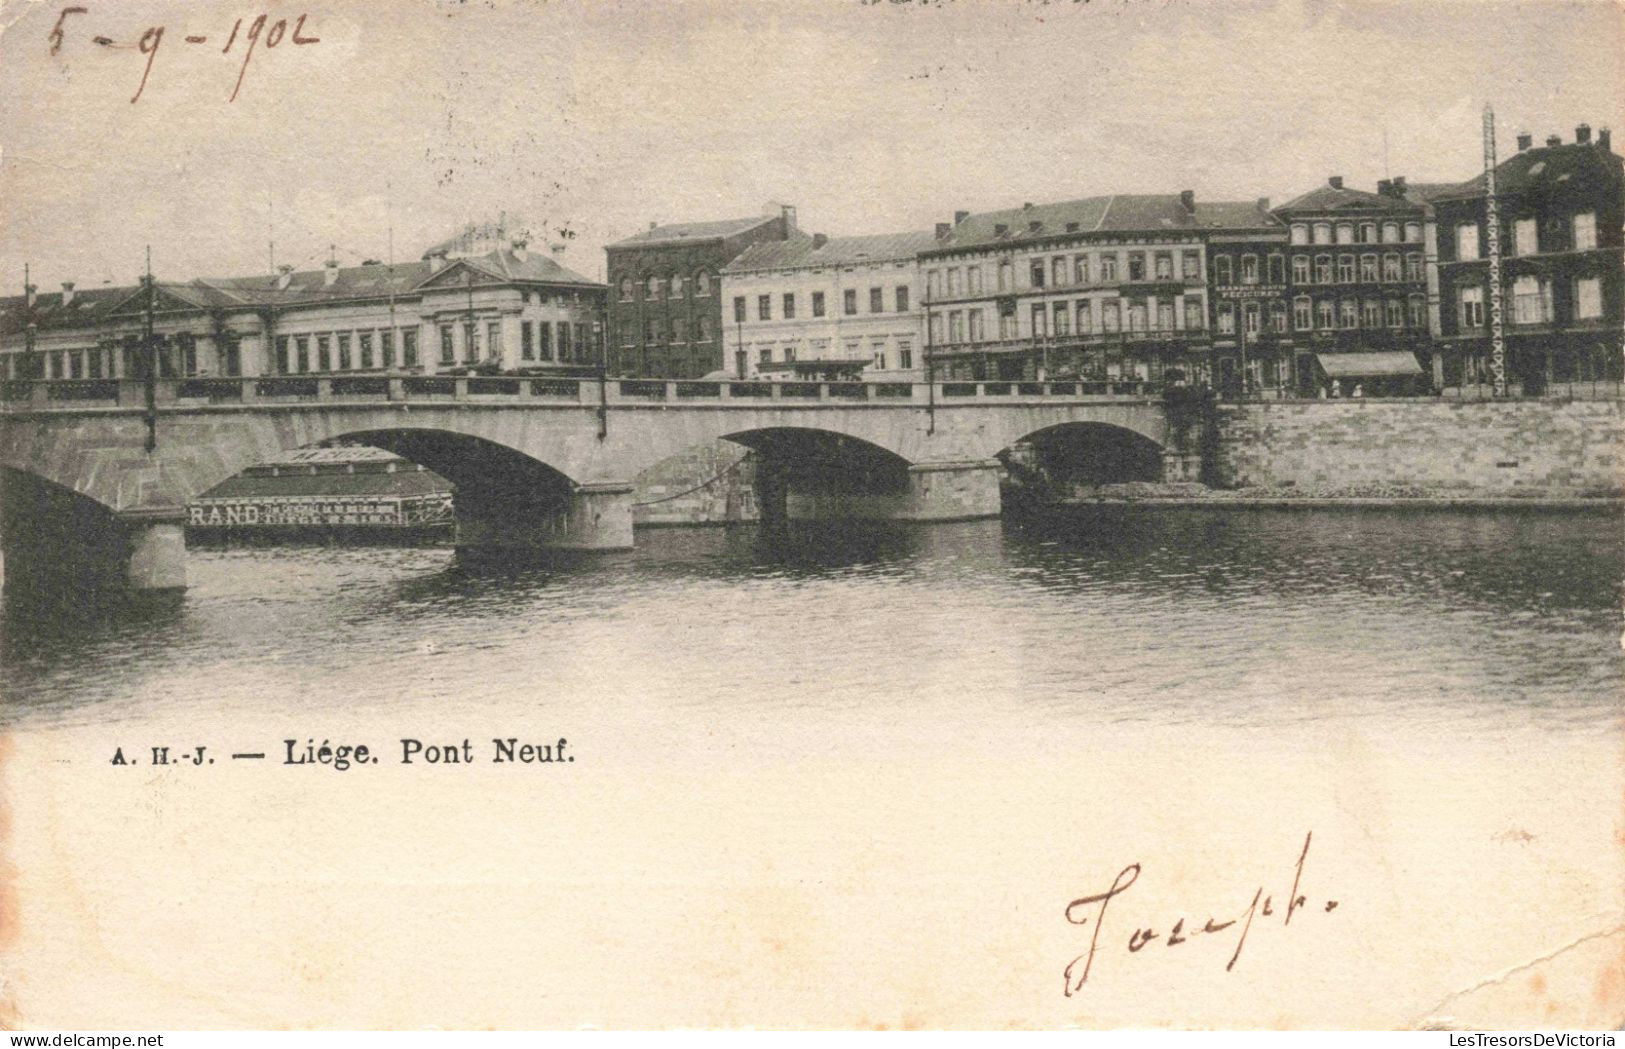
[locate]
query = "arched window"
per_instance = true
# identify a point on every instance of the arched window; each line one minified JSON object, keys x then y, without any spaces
{"x":1396,"y":313}
{"x":702,"y":283}
{"x":677,"y":282}
{"x":654,"y":287}
{"x":1348,"y":314}
{"x":1323,"y":269}
{"x":1325,"y":314}
{"x":1390,"y":232}
{"x":1302,"y":313}
{"x":1221,"y":269}
{"x":1413,"y":231}
{"x":626,"y":289}
{"x":1323,"y":233}
{"x":1345,"y":233}
{"x":1300,"y":233}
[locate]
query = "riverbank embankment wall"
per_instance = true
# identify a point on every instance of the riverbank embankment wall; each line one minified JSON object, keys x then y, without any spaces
{"x":1487,"y":446}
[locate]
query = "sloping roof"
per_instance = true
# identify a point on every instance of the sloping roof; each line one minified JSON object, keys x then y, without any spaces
{"x":686,"y":232}
{"x":1541,"y":167}
{"x":1426,"y":192}
{"x":1331,"y":198}
{"x":801,"y":251}
{"x":1123,"y":213}
{"x":87,"y":307}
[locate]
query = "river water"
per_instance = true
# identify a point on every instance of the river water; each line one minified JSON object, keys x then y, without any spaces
{"x":783,"y":735}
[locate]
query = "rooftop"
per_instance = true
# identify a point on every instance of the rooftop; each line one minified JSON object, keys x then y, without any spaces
{"x":802,"y":252}
{"x":686,"y":232}
{"x":1543,"y":168}
{"x":1122,"y":213}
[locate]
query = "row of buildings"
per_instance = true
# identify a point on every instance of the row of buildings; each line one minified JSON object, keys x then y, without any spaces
{"x":1385,"y":289}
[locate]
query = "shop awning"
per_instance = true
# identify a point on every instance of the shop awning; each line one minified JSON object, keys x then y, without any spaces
{"x":1366,"y":365}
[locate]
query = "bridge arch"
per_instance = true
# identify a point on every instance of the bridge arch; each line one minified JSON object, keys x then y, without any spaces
{"x":1087,"y":453}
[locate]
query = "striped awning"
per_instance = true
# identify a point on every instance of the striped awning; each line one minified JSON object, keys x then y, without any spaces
{"x":1366,"y":365}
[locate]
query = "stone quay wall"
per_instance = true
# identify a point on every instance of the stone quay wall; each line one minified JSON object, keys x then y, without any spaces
{"x":711,"y":483}
{"x":1508,"y":447}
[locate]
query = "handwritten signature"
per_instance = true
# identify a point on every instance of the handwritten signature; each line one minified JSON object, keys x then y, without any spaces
{"x":261,"y":31}
{"x":1081,"y":910}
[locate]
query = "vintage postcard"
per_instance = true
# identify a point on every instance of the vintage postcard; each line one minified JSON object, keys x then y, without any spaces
{"x":853,"y":514}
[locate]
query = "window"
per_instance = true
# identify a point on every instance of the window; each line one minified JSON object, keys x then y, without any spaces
{"x":1394,"y":309}
{"x":677,"y":282}
{"x":1367,"y":233}
{"x":764,"y":307}
{"x":879,"y":349}
{"x":1108,"y":268}
{"x":1418,"y":311}
{"x":1109,"y":316}
{"x":1345,"y":269}
{"x":1371,"y":314}
{"x":1165,"y":316}
{"x":1036,"y":273}
{"x":1348,"y":314}
{"x":933,"y":284}
{"x":1040,"y":321}
{"x":1323,"y":269}
{"x":1300,"y":233}
{"x":1323,"y":233}
{"x":702,"y":329}
{"x":282,"y":355}
{"x":1227,"y":319}
{"x":1390,"y":267}
{"x":471,"y":342}
{"x":1345,"y":233}
{"x":544,"y":339}
{"x":1191,"y":265}
{"x":1472,"y":307}
{"x":654,"y":287}
{"x":1062,"y":319}
{"x":905,"y":356}
{"x":1137,"y":320}
{"x":1249,"y":269}
{"x":626,"y":289}
{"x":1368,"y":268}
{"x":527,"y":341}
{"x":1251,"y":316}
{"x":1301,"y":313}
{"x":1221,"y":270}
{"x":1325,"y":315}
{"x":956,"y":326}
{"x":789,"y":355}
{"x":1080,"y":268}
{"x":1300,"y":269}
{"x":739,"y":309}
{"x":1278,"y":317}
{"x":651,"y":329}
{"x":677,"y":332}
{"x":1467,"y":241}
{"x":902,"y":295}
{"x":789,"y":306}
{"x":1390,"y":232}
{"x":1164,"y":266}
{"x":1086,"y":317}
{"x":1525,"y":237}
{"x":975,"y":319}
{"x":1277,"y":269}
{"x":564,"y":341}
{"x":1058,"y":270}
{"x":448,"y":353}
{"x":934,"y":328}
{"x":364,"y":347}
{"x":1136,"y":265}
{"x":973,"y":275}
{"x":817,"y":304}
{"x":324,"y":353}
{"x":1585,"y":231}
{"x":877,"y":300}
{"x":953,"y":283}
{"x":1193,"y":315}
{"x":409,"y":348}
{"x":1587,"y":298}
{"x":1531,"y":300}
{"x":766,"y":356}
{"x":1007,"y":276}
{"x":493,"y":340}
{"x":702,"y":284}
{"x":849,"y":302}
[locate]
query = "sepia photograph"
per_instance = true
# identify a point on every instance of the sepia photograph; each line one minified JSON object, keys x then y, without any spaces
{"x":812,"y":515}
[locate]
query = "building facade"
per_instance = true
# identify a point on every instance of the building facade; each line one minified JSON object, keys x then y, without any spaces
{"x":823,"y":307}
{"x":510,"y":310}
{"x":1356,"y":271}
{"x":1561,"y":209}
{"x":665,"y":306}
{"x":1105,"y":289}
{"x":1248,"y":293}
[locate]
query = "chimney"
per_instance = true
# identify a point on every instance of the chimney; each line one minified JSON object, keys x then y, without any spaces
{"x":28,"y":294}
{"x":437,"y":261}
{"x":1525,"y":140}
{"x":653,"y":224}
{"x":1385,"y":187}
{"x":1028,"y":206}
{"x":1034,"y":226}
{"x":284,"y":277}
{"x":960,"y":216}
{"x":820,"y":239}
{"x":67,"y":293}
{"x":1399,"y":186}
{"x":521,"y":248}
{"x":1187,"y":199}
{"x":1582,"y":134}
{"x":1553,"y":140}
{"x":943,"y":228}
{"x":788,"y":212}
{"x":1000,"y":229}
{"x":1263,"y":203}
{"x":330,"y":275}
{"x":1336,"y":182}
{"x":1604,"y":140}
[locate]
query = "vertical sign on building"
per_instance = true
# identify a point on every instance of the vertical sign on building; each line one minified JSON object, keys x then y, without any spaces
{"x":1492,"y":231}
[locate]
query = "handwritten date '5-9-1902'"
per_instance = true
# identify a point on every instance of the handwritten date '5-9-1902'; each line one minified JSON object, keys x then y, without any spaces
{"x":246,"y":36}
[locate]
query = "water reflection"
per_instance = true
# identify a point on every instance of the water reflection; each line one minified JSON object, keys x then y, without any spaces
{"x":1114,"y":614}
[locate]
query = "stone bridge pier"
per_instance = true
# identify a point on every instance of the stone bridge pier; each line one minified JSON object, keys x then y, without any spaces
{"x":594,"y":516}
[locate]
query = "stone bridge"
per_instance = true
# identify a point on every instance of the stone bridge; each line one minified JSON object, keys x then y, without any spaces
{"x":536,"y":462}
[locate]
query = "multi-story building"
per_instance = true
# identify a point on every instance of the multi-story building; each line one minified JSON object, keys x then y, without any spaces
{"x":1247,"y":290}
{"x":665,"y":310}
{"x":827,"y":307}
{"x":511,"y":310}
{"x":1357,"y":278}
{"x":1104,"y":288}
{"x":1561,"y":211}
